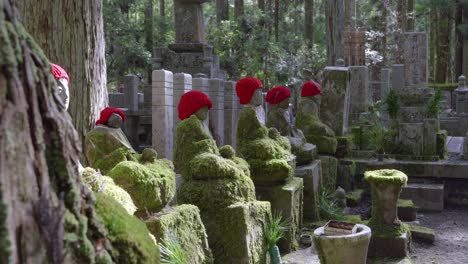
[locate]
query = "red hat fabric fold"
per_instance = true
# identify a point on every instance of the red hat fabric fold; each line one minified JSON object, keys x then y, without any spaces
{"x":277,"y":95}
{"x":106,"y":114}
{"x":246,"y":87}
{"x":191,"y":102}
{"x":59,"y":72}
{"x":311,"y":88}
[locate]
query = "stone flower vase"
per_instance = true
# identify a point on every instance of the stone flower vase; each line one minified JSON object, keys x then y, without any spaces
{"x":349,"y":249}
{"x":385,"y":188}
{"x":275,"y":255}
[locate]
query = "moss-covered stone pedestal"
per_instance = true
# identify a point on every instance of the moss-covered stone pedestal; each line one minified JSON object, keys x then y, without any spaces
{"x":329,"y":171}
{"x":184,"y":225}
{"x":349,"y":249}
{"x":390,"y":237}
{"x":287,"y":200}
{"x":311,"y":175}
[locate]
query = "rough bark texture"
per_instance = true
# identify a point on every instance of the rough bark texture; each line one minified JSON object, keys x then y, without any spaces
{"x":334,"y":16}
{"x":39,"y":182}
{"x":222,"y":10}
{"x":309,"y":22}
{"x":410,"y":15}
{"x":238,"y":8}
{"x":71,"y":34}
{"x":442,"y":43}
{"x":458,"y":39}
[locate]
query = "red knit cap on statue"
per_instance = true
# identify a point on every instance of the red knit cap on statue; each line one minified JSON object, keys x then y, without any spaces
{"x":278,"y":95}
{"x":106,"y":114}
{"x":246,"y":87}
{"x":191,"y":102}
{"x":311,"y":88}
{"x":59,"y":72}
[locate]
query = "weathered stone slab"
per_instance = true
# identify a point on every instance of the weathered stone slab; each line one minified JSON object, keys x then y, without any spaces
{"x":229,"y":113}
{"x":431,"y":127}
{"x":389,"y":247}
{"x":162,"y":113}
{"x":406,"y":210}
{"x":335,"y":102}
{"x":398,"y":77}
{"x":131,"y":92}
{"x":329,"y":171}
{"x":346,"y":171}
{"x":183,"y":223}
{"x":311,"y":175}
{"x":182,"y":84}
{"x":287,"y":200}
{"x":423,"y":234}
{"x":216,"y":94}
{"x":415,"y":59}
{"x":425,"y":196}
{"x":411,"y":136}
{"x":116,"y":100}
{"x":360,"y":93}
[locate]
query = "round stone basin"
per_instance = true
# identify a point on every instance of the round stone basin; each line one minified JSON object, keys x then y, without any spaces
{"x":350,"y":248}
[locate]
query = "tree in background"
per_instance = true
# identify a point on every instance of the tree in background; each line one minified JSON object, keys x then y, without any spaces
{"x":70,"y":32}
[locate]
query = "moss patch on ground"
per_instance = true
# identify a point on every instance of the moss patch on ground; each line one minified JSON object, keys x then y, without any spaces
{"x":183,"y":223}
{"x":129,"y":236}
{"x":151,"y":186}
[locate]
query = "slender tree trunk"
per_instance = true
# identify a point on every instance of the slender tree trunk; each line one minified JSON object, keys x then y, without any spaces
{"x":458,"y":39}
{"x":309,"y":22}
{"x":261,"y":5}
{"x":39,"y":157}
{"x":276,"y":22}
{"x":410,"y":15}
{"x":443,"y":44}
{"x":71,"y":34}
{"x":238,"y":8}
{"x":401,"y":14}
{"x":222,"y":10}
{"x":149,"y":27}
{"x":432,"y":44}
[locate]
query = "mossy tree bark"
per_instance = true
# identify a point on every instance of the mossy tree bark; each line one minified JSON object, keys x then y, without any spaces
{"x":444,"y":15}
{"x":309,"y":22}
{"x":39,"y":181}
{"x":70,"y":32}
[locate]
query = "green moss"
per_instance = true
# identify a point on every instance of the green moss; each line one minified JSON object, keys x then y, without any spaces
{"x":277,"y":120}
{"x":386,"y":177}
{"x":353,"y":219}
{"x":325,"y":145}
{"x":444,"y":86}
{"x":344,"y":146}
{"x":356,"y":133}
{"x":442,"y":144}
{"x":129,"y":236}
{"x":98,"y":183}
{"x":388,"y":231}
{"x":354,"y":197}
{"x":183,"y":223}
{"x":402,"y":203}
{"x":215,"y":194}
{"x":103,"y":257}
{"x":227,"y":152}
{"x":151,"y":186}
{"x":206,"y":166}
{"x":270,"y":171}
{"x":5,"y":250}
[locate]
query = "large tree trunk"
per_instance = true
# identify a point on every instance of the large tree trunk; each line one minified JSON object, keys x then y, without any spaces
{"x":71,"y":34}
{"x":309,"y":22}
{"x":276,"y":19}
{"x":410,"y":15}
{"x":149,"y":33}
{"x":39,"y":182}
{"x":458,"y":39}
{"x":238,"y":8}
{"x":442,"y":44}
{"x":222,"y":10}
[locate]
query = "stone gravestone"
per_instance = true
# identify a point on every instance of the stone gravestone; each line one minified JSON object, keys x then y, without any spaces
{"x":216,"y":94}
{"x":162,"y":113}
{"x":334,"y":109}
{"x":415,"y":59}
{"x":189,"y":21}
{"x":131,"y":92}
{"x":229,"y":113}
{"x":360,"y":93}
{"x":182,"y":84}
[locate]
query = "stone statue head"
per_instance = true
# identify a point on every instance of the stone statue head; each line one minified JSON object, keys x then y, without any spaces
{"x":194,"y":103}
{"x":111,"y":117}
{"x":249,"y":91}
{"x":61,"y":76}
{"x":257,"y":98}
{"x":115,"y":121}
{"x":279,"y":97}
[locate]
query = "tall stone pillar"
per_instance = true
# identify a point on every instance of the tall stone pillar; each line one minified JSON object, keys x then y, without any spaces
{"x":182,"y":84}
{"x":335,"y":24}
{"x":360,"y":93}
{"x":398,"y":77}
{"x":200,"y":83}
{"x":131,"y":92}
{"x":385,"y":82}
{"x":229,"y":113}
{"x":162,"y":113}
{"x":216,"y":94}
{"x":415,"y":59}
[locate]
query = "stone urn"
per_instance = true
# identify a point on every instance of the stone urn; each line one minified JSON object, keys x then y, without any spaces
{"x":385,"y":188}
{"x":348,"y":248}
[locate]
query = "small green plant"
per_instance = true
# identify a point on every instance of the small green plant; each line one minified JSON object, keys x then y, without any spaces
{"x":172,"y":252}
{"x":275,"y":228}
{"x":433,"y":106}
{"x":328,"y":207}
{"x":393,"y":104}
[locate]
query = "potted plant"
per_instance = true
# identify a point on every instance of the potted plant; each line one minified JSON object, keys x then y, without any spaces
{"x":275,"y":231}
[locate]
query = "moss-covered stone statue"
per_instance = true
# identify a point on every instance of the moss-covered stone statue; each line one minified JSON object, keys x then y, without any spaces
{"x":267,"y":152}
{"x":218,"y":183}
{"x":149,"y":181}
{"x":279,"y":118}
{"x":307,"y":120}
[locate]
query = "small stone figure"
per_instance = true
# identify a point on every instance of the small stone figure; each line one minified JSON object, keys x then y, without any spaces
{"x":279,"y":118}
{"x":307,"y":119}
{"x":340,"y":195}
{"x":62,"y":91}
{"x":267,"y":152}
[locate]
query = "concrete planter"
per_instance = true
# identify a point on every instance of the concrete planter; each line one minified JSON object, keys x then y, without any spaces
{"x":350,"y":249}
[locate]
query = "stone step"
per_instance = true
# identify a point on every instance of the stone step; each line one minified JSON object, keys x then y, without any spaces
{"x":421,"y":233}
{"x":425,"y":196}
{"x":406,"y":210}
{"x":354,"y":197}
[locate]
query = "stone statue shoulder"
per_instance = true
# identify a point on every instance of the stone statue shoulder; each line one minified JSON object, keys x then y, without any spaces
{"x":249,"y":127}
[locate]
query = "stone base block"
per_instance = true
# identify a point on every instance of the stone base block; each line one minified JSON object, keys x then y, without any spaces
{"x":390,"y":247}
{"x":287,"y":200}
{"x":345,"y":174}
{"x":183,"y":223}
{"x":406,"y":210}
{"x":311,"y":175}
{"x":425,"y":196}
{"x":422,"y":233}
{"x":329,"y":171}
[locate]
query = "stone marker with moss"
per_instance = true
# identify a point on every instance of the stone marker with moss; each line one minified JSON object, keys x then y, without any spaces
{"x":390,"y":237}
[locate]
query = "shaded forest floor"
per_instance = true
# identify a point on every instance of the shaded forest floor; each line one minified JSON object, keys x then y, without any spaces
{"x":450,"y":247}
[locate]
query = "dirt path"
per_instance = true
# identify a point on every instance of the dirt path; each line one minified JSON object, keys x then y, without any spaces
{"x":450,"y":247}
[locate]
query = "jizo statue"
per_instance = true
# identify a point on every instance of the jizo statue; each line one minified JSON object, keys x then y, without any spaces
{"x":62,"y":91}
